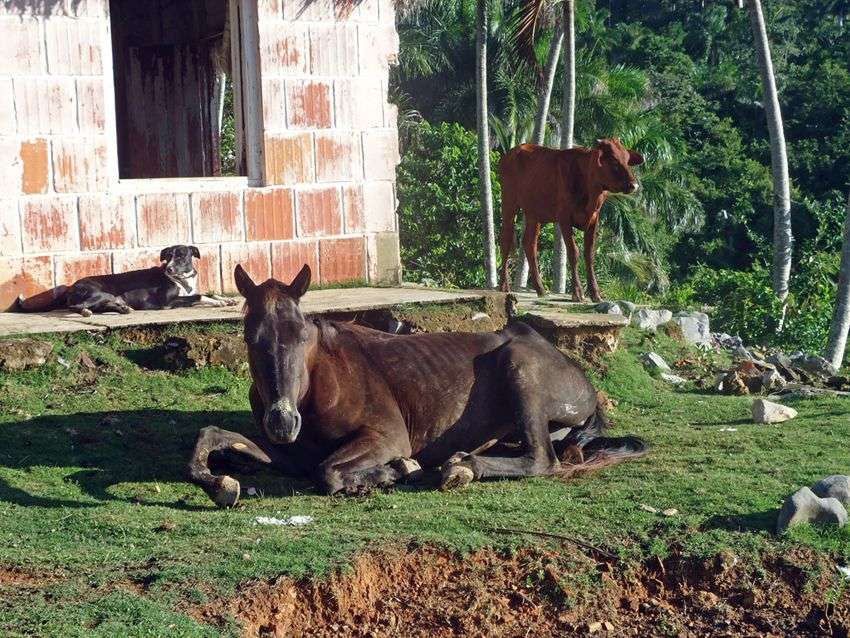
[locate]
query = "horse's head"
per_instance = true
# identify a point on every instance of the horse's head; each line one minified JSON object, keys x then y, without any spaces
{"x":278,"y":339}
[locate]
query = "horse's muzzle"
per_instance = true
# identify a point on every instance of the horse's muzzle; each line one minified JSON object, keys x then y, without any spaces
{"x":282,"y":426}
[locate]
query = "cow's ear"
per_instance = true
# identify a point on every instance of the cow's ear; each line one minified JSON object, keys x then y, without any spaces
{"x":244,"y":284}
{"x":195,"y":251}
{"x":635,"y":158}
{"x":301,"y":282}
{"x":166,"y":253}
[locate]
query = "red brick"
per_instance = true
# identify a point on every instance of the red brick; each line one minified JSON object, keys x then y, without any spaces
{"x":49,"y":224}
{"x":73,"y":46}
{"x":216,"y":217}
{"x":379,"y":200}
{"x":319,"y":212}
{"x":107,"y":222}
{"x":378,"y":47}
{"x":308,"y":104}
{"x":34,"y":177}
{"x":359,"y":103}
{"x":333,"y":49}
{"x":126,"y":260}
{"x":274,"y":105}
{"x":283,"y":48}
{"x":289,"y":159}
{"x":45,"y":105}
{"x":209,"y":270}
{"x":163,"y":219}
{"x":289,"y":257}
{"x":269,"y":214}
{"x":353,"y":209}
{"x":10,"y":228}
{"x":24,"y":276}
{"x":91,"y":105}
{"x":20,"y":47}
{"x":342,"y":259}
{"x":255,"y":259}
{"x":71,"y":268}
{"x":79,"y":165}
{"x":337,"y":156}
{"x":380,"y":153}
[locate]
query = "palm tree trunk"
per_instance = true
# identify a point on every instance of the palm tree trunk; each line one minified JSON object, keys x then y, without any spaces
{"x":568,"y":113}
{"x":782,"y":237}
{"x":486,"y":188}
{"x":841,"y":319}
{"x":539,"y":135}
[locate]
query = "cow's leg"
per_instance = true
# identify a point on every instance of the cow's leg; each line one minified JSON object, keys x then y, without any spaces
{"x":572,"y":255}
{"x":364,"y":462}
{"x":223,"y":490}
{"x":589,"y":254}
{"x":506,"y":244}
{"x":529,"y":244}
{"x":522,"y":385}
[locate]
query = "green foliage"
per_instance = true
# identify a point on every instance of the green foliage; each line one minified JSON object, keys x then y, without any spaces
{"x":440,"y":222}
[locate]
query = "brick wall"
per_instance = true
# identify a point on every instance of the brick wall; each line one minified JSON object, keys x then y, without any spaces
{"x":330,"y":150}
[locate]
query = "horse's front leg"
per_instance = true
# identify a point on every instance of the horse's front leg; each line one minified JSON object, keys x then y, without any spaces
{"x":223,"y":490}
{"x":368,"y":460}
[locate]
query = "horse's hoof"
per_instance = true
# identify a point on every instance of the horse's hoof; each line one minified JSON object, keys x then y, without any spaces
{"x":85,"y":312}
{"x":125,"y":310}
{"x":456,"y":476}
{"x":541,"y":293}
{"x":227,"y":491}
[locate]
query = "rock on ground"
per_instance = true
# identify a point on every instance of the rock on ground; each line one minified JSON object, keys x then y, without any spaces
{"x":814,"y":364}
{"x":609,"y":308}
{"x":652,"y":361}
{"x":627,"y":307}
{"x":647,"y":319}
{"x":836,"y":486}
{"x":765,"y":411}
{"x":674,"y":379}
{"x":804,"y":506}
{"x":695,"y":327}
{"x":20,"y":354}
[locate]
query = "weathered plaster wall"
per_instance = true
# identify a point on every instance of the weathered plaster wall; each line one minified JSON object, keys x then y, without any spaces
{"x":330,"y":150}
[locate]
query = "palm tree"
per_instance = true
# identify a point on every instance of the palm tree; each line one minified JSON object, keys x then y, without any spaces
{"x":486,"y":188}
{"x":841,"y":319}
{"x":782,"y":237}
{"x":568,"y":116}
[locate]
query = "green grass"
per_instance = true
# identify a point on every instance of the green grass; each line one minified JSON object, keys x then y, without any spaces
{"x":93,"y":502}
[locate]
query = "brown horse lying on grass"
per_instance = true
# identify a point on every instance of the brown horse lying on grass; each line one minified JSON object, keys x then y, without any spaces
{"x":350,"y":404}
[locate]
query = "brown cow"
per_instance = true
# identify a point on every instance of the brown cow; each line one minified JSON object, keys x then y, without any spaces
{"x":564,"y":186}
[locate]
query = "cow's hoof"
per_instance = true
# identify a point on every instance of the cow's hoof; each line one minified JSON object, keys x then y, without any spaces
{"x":226,"y":491}
{"x":455,"y":476}
{"x":85,"y":312}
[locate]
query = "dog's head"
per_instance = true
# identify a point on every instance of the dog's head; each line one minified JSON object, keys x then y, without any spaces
{"x":177,"y":261}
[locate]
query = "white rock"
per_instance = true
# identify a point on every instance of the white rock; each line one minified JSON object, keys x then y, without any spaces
{"x":653,"y":361}
{"x":675,"y":379}
{"x":647,"y":319}
{"x":296,"y":521}
{"x":765,"y":411}
{"x":694,"y":326}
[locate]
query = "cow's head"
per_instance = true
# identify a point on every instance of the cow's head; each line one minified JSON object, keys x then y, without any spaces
{"x":613,"y":162}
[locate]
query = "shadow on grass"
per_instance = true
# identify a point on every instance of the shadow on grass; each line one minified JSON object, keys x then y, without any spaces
{"x":755,"y":521}
{"x":141,"y":446}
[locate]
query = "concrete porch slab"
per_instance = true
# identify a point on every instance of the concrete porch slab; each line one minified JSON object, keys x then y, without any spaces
{"x":335,"y":300}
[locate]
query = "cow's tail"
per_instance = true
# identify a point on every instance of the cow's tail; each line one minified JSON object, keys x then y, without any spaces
{"x":598,"y":451}
{"x":42,"y":302}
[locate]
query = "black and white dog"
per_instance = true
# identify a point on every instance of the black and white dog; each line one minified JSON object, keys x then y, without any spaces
{"x":173,"y":284}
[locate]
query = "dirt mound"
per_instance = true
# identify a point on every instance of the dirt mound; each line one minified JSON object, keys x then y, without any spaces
{"x":429,"y":592}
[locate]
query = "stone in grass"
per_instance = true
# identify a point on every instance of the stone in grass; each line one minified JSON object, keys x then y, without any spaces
{"x":20,"y":354}
{"x":647,"y":319}
{"x":694,"y":326}
{"x":627,"y":307}
{"x":804,"y":506}
{"x":608,"y":308}
{"x":836,"y":486}
{"x":673,"y":379}
{"x":765,"y":411}
{"x":652,"y":361}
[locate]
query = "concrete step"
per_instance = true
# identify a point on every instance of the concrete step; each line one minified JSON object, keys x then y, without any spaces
{"x":587,"y":335}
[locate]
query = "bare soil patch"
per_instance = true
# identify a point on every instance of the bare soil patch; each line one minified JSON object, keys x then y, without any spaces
{"x":424,"y":591}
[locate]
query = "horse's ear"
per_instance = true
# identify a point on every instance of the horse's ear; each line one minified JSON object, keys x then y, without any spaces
{"x":301,"y":282}
{"x":635,"y":158}
{"x":244,"y":284}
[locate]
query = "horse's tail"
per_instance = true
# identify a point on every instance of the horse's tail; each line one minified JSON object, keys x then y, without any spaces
{"x":43,"y":301}
{"x":593,"y":451}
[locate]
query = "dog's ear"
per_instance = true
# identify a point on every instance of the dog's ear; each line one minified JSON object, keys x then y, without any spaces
{"x":195,"y":252}
{"x":244,"y":284}
{"x":166,"y":253}
{"x":301,"y":282}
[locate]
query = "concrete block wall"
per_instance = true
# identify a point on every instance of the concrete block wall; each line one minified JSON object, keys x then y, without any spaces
{"x":330,"y":151}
